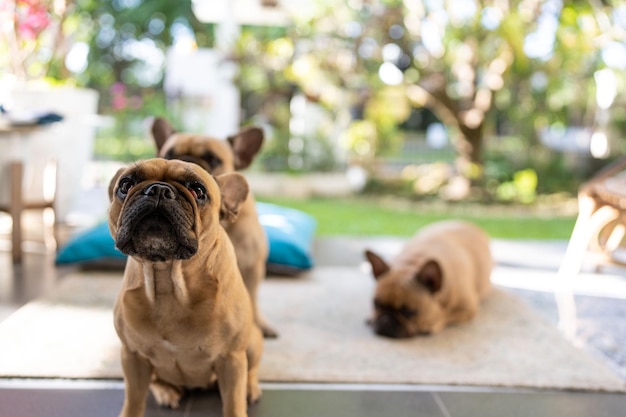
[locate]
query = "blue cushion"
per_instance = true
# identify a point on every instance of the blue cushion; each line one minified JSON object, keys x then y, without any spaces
{"x":92,"y":245}
{"x":289,"y":232}
{"x":290,"y":235}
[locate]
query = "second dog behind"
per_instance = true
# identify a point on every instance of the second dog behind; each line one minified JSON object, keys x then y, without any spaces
{"x":438,"y":278}
{"x":219,"y":157}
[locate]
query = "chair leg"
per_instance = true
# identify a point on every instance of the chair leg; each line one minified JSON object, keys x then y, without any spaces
{"x":49,"y":232}
{"x":15,"y":208}
{"x":49,"y":214}
{"x":587,"y":222}
{"x":616,"y":237}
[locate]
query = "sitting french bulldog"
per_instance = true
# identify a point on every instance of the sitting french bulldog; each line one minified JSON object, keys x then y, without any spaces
{"x":439,"y":278}
{"x":183,"y":314}
{"x":218,"y":157}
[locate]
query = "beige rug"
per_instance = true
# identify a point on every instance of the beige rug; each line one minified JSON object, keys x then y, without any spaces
{"x":323,"y":338}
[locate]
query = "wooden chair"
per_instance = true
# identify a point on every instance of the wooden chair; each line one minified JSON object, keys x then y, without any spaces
{"x":600,"y":227}
{"x":18,"y":202}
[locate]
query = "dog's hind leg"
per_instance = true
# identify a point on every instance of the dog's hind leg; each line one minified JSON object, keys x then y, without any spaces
{"x":464,"y":312}
{"x":253,"y":276}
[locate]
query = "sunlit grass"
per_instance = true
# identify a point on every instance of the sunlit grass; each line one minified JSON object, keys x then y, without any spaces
{"x":369,"y":217}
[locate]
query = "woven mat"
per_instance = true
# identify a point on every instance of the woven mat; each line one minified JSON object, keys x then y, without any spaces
{"x":323,"y":338}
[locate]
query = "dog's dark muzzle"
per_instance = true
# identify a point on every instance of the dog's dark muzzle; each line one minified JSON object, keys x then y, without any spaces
{"x":389,"y":326}
{"x":157,"y":224}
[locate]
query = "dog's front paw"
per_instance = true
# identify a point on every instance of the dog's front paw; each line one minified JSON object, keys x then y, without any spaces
{"x":254,"y":393}
{"x":268,"y":332}
{"x":166,"y":395}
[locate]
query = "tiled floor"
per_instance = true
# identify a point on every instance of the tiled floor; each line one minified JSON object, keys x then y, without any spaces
{"x":89,"y":399}
{"x":602,"y":317}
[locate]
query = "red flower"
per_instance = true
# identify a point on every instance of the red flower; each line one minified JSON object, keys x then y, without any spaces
{"x":31,"y":18}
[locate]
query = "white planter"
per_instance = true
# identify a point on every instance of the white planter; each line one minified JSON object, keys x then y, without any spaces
{"x":69,"y":142}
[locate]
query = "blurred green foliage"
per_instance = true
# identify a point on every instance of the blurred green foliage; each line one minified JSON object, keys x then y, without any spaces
{"x":377,"y":216}
{"x":361,"y":70}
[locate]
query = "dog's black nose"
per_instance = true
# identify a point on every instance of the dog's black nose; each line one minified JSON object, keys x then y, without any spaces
{"x":162,"y":191}
{"x":389,"y":326}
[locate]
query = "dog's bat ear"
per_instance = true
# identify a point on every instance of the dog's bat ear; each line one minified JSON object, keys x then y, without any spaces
{"x":246,"y":144}
{"x":430,"y":276}
{"x":234,"y":189}
{"x":161,"y":131}
{"x":379,"y":266}
{"x":116,"y":177}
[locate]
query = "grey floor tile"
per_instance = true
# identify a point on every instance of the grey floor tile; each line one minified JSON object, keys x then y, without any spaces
{"x":540,"y":404}
{"x":60,"y":403}
{"x":203,"y":404}
{"x":307,"y":403}
{"x":279,"y":402}
{"x":320,"y":403}
{"x":74,"y":403}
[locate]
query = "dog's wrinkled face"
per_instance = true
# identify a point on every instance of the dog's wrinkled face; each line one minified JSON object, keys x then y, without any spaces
{"x":155,"y":209}
{"x":214,"y":155}
{"x":404,"y":299}
{"x":161,"y":209}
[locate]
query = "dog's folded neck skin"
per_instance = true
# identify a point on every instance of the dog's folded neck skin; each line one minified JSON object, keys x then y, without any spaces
{"x":168,"y":277}
{"x":165,"y":278}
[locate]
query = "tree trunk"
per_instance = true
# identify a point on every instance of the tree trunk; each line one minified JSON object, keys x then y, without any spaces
{"x":469,"y":147}
{"x":469,"y":141}
{"x":468,"y":164}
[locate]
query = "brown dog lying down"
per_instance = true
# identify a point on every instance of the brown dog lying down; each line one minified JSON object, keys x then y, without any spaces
{"x":183,"y":314}
{"x":438,"y":278}
{"x":219,"y":157}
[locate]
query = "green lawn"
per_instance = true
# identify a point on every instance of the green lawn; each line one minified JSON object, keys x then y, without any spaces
{"x":368,"y":217}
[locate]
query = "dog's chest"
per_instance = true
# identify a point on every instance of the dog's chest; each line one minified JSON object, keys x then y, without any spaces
{"x":163,"y":352}
{"x":167,"y":326}
{"x":182,"y":345}
{"x":191,"y":366}
{"x":161,"y":321}
{"x":180,"y":329}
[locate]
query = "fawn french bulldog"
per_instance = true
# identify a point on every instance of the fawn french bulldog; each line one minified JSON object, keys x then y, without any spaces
{"x":218,"y":157}
{"x":183,"y":314}
{"x":439,"y":277}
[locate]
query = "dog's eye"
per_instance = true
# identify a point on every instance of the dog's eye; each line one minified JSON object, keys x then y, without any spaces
{"x":212,"y":160}
{"x":198,"y":190}
{"x":407,"y":312}
{"x":125,"y":185}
